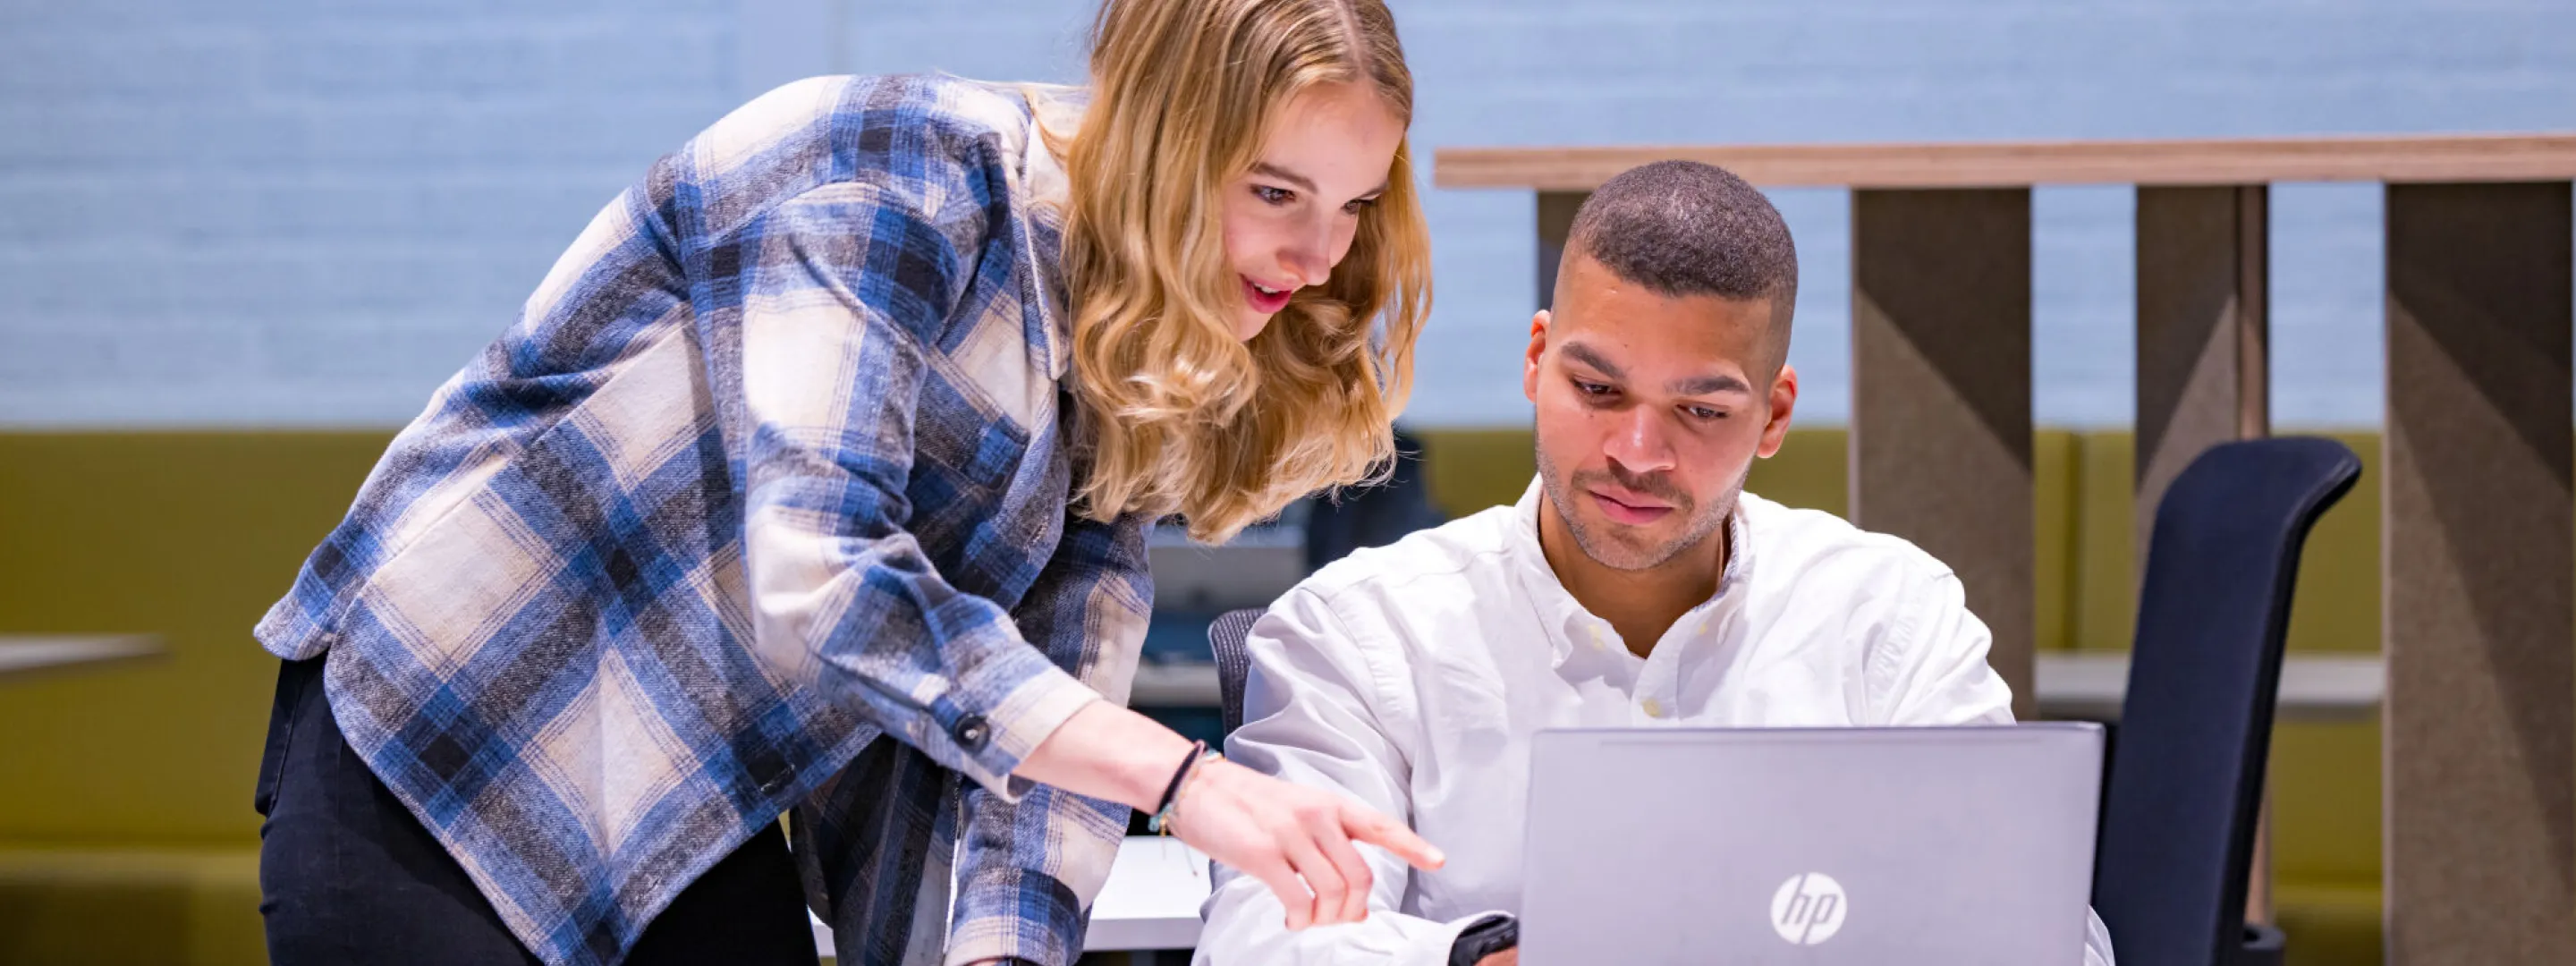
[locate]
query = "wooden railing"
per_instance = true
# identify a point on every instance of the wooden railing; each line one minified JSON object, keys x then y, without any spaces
{"x":2478,"y":515}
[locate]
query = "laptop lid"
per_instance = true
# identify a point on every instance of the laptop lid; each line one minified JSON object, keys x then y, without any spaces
{"x":1811,"y":846}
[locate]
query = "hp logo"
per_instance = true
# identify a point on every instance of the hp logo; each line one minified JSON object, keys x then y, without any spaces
{"x":1808,"y":909}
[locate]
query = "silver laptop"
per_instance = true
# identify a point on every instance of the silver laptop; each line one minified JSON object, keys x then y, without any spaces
{"x":1811,"y":846}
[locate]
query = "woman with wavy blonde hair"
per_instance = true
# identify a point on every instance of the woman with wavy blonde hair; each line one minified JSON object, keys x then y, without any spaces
{"x":815,"y":476}
{"x":1183,"y":210}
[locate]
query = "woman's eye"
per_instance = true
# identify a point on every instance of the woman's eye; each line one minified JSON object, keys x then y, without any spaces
{"x":1359,"y":205}
{"x":1275,"y":196}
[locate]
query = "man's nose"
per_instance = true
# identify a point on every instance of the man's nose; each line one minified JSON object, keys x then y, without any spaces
{"x":1638,"y":444}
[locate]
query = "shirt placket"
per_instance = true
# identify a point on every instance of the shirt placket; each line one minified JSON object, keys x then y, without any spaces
{"x":1659,"y":683}
{"x":1658,"y":696}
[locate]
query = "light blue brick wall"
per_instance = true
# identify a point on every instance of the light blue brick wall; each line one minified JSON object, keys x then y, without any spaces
{"x":291,"y":212}
{"x":311,"y":212}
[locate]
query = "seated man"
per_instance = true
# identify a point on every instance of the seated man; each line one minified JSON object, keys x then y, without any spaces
{"x":1635,"y":584}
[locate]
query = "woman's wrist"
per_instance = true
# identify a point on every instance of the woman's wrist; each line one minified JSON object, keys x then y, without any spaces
{"x":1192,"y":769}
{"x":1109,"y":752}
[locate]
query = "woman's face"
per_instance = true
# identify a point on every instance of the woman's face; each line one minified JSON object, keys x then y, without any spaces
{"x":1289,"y":220}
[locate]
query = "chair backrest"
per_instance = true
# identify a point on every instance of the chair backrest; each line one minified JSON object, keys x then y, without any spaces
{"x":2186,"y":770}
{"x":1225,"y":637}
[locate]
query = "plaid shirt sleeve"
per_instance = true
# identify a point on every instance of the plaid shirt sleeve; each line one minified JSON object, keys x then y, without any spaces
{"x":1031,"y":868}
{"x":841,"y":295}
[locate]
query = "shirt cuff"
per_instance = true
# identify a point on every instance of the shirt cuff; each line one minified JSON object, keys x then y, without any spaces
{"x":1012,"y":730}
{"x":1043,"y":933}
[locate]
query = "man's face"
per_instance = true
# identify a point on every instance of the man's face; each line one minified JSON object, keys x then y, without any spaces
{"x":1650,"y":411}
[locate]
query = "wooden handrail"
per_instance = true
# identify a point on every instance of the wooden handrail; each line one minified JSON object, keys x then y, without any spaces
{"x":2439,"y":158}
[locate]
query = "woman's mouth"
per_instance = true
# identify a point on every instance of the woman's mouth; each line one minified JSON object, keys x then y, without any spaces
{"x":1265,"y":299}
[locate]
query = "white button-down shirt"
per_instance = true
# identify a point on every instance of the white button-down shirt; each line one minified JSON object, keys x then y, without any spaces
{"x":1412,"y":678}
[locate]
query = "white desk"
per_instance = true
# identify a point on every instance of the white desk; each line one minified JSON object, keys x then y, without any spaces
{"x":21,"y":655}
{"x":1151,"y":900}
{"x":2313,"y":687}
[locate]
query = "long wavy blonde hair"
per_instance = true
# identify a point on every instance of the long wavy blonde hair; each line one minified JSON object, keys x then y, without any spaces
{"x":1182,"y":416}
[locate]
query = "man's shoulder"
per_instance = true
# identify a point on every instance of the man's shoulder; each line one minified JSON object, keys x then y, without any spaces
{"x":1390,"y":608}
{"x":1796,"y":542}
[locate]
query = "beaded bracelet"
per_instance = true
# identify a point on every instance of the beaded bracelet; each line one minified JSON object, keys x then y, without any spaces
{"x":1200,"y":753}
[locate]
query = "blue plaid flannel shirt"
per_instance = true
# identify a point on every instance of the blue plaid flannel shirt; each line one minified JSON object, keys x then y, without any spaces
{"x":760,"y":506}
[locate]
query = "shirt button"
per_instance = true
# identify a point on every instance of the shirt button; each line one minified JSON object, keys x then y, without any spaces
{"x":971,"y":731}
{"x":771,"y":784}
{"x":1654,"y":708}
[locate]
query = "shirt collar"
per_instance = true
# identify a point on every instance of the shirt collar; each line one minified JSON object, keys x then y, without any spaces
{"x":1566,"y":617}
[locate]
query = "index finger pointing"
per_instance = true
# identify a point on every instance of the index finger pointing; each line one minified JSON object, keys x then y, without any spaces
{"x":1383,"y":832}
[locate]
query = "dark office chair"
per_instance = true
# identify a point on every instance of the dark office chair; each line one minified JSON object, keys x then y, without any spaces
{"x":2186,"y":769}
{"x":1233,"y":662}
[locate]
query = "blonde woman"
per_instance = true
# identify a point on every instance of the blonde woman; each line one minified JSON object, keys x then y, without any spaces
{"x":815,"y":477}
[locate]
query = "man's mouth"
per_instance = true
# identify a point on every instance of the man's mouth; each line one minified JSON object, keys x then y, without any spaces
{"x":1633,"y":509}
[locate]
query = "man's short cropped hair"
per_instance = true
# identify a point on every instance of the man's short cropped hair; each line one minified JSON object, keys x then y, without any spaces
{"x":1682,"y":228}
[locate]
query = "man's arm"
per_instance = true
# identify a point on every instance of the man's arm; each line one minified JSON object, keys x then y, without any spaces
{"x":1932,"y":671}
{"x":1931,"y":667}
{"x":1314,"y":715}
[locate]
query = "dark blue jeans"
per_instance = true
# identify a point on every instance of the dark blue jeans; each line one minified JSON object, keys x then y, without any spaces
{"x":347,"y":875}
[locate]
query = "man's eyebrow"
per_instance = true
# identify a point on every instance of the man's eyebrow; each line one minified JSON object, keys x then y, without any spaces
{"x":1301,"y":182}
{"x":1707,"y":385}
{"x":1695,"y":386}
{"x":1584,"y":354}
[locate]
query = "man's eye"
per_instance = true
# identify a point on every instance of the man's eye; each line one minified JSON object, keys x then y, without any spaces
{"x":1276,"y":196}
{"x":1705,"y":414}
{"x":1591,"y":388}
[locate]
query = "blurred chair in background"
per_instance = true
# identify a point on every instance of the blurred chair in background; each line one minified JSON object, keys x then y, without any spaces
{"x":1226,"y":637}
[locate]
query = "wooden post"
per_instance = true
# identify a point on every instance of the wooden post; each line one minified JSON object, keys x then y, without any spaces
{"x":1941,"y":434}
{"x":2203,"y":364}
{"x":2203,"y":378}
{"x":1555,"y":224}
{"x":2479,"y":571}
